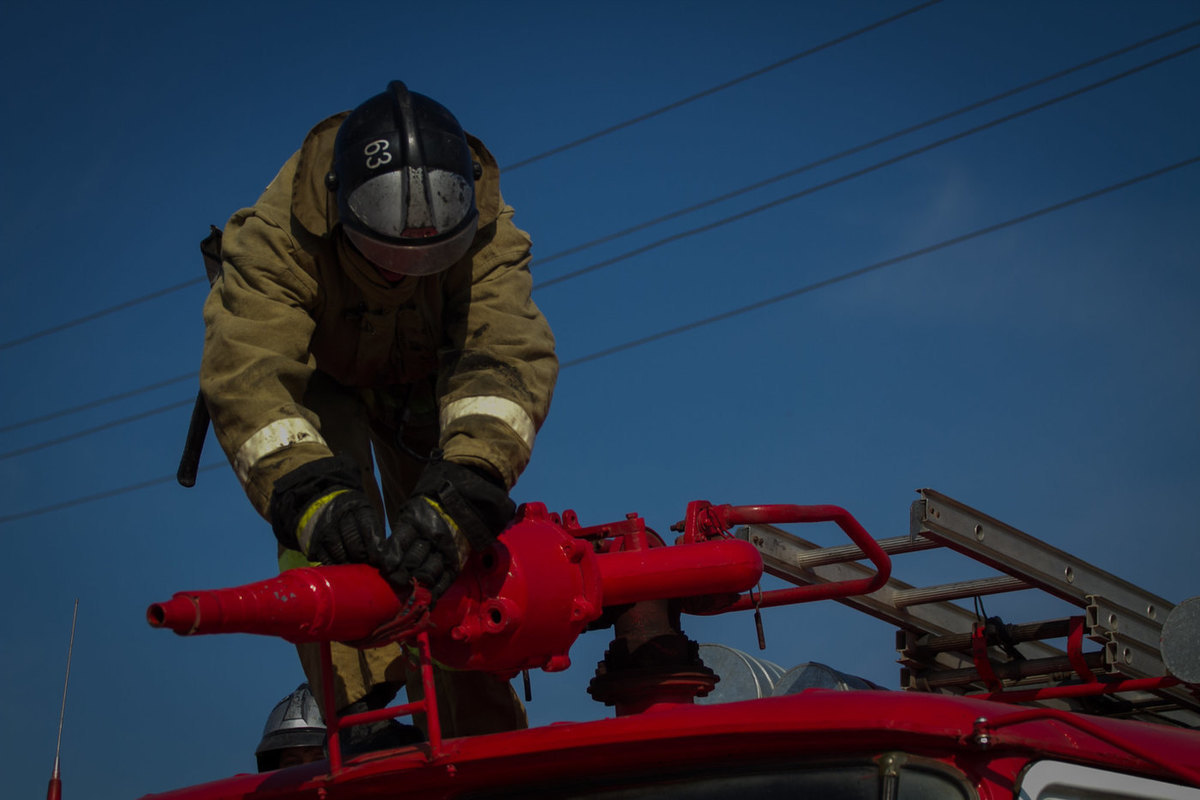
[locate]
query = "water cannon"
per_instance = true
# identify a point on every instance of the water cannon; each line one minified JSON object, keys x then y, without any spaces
{"x":522,"y":602}
{"x":517,"y":605}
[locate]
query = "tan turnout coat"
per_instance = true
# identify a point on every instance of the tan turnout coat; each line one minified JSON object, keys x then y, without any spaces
{"x":309,"y":352}
{"x":295,"y":299}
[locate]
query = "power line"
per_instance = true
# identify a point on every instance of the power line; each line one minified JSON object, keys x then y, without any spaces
{"x":79,"y":434}
{"x":100,"y":496}
{"x":101,"y":313}
{"x":865,"y":146}
{"x":742,"y":215}
{"x":812,"y":287}
{"x":732,"y":218}
{"x":818,"y":48}
{"x":713,"y":201}
{"x":94,"y":403}
{"x":845,"y":276}
{"x":859,"y":172}
{"x":719,"y":87}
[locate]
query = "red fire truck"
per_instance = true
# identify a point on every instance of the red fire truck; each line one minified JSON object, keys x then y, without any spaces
{"x":1104,"y":703}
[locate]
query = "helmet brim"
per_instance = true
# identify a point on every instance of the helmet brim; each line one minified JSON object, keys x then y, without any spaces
{"x":425,"y":258}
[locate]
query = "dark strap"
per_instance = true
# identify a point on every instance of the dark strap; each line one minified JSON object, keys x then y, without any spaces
{"x":210,"y":250}
{"x":189,"y":462}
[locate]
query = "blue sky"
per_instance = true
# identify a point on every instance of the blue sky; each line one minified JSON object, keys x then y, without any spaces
{"x":1047,"y":373}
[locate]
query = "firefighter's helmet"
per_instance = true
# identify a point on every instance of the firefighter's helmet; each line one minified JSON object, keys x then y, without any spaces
{"x":294,"y":722}
{"x":405,"y":183}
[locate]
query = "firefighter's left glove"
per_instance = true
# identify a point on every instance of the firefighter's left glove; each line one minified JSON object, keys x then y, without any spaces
{"x":453,"y":510}
{"x":320,"y":510}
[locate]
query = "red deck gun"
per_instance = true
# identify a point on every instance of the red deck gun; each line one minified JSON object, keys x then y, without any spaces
{"x":523,"y":602}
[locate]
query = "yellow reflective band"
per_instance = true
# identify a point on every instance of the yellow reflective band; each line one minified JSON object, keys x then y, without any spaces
{"x":461,"y":546}
{"x":304,"y":530}
{"x":445,"y":517}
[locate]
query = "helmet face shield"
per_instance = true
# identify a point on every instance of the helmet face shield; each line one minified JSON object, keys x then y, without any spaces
{"x":412,"y":203}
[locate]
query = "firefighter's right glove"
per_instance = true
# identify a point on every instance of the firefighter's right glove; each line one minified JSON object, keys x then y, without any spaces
{"x":320,"y":510}
{"x":454,"y":509}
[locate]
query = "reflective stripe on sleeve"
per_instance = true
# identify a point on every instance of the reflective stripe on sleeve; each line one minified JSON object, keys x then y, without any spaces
{"x":276,"y":436}
{"x":501,"y":408}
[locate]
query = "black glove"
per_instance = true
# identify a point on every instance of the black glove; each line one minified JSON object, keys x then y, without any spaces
{"x":449,"y":502}
{"x":320,"y":510}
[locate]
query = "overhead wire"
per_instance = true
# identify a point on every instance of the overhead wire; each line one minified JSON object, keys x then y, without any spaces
{"x":750,"y":212}
{"x":100,"y":495}
{"x":706,"y":203}
{"x":878,"y":265}
{"x":675,"y":237}
{"x":20,"y":451}
{"x":509,"y":168}
{"x":808,"y":288}
{"x":719,"y":87}
{"x":112,"y":398}
{"x":101,"y":313}
{"x":641,"y":226}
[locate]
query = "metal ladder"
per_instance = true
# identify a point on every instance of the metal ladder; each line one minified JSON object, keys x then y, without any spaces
{"x":945,"y":647}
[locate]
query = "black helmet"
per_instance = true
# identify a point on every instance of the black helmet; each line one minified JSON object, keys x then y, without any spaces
{"x":294,"y":722}
{"x":405,"y":182}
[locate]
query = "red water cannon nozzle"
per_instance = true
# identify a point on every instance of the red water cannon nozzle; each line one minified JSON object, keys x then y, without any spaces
{"x":311,"y":604}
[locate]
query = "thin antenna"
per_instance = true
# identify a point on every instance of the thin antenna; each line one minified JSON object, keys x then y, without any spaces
{"x":54,"y":790}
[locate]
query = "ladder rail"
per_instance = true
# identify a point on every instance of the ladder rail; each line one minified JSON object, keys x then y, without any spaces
{"x":1123,"y":619}
{"x":1016,"y":553}
{"x":938,"y":618}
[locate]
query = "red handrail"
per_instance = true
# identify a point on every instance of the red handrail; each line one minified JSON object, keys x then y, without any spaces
{"x":705,"y":520}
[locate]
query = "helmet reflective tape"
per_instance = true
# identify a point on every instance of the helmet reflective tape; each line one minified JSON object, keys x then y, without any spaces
{"x":414,"y":259}
{"x":501,"y":408}
{"x":271,"y":438}
{"x":412,"y":203}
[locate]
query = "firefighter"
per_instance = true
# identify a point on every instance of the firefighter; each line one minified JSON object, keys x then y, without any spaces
{"x":294,"y":733}
{"x":374,"y":308}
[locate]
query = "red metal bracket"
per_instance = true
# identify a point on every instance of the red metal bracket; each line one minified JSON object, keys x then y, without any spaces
{"x":631,"y":530}
{"x":1092,"y":689}
{"x":1092,"y":686}
{"x":428,"y":705}
{"x":1075,"y":650}
{"x":979,"y":654}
